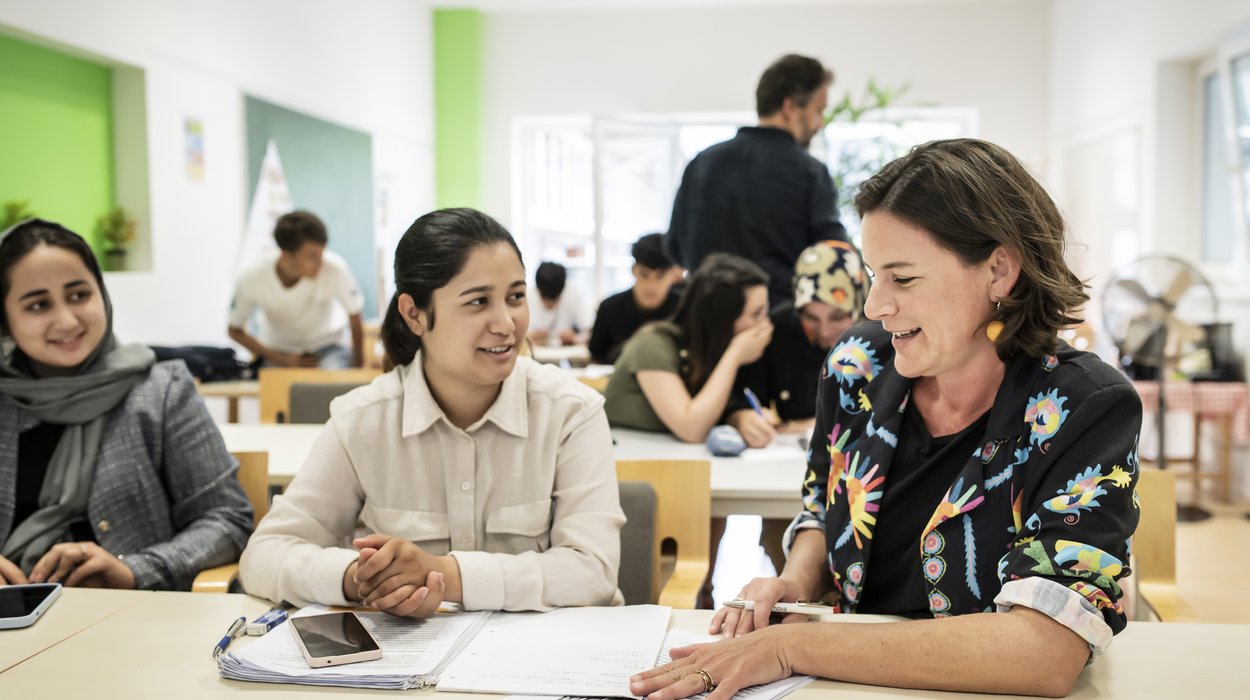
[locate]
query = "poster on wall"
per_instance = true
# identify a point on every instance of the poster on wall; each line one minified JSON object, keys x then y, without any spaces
{"x":193,"y":148}
{"x":271,"y":200}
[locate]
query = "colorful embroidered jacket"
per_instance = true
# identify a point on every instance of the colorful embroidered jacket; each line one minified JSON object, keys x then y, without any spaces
{"x":1049,"y":494}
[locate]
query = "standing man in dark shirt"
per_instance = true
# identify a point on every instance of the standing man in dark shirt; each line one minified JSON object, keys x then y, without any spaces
{"x":760,"y":195}
{"x":650,"y":299}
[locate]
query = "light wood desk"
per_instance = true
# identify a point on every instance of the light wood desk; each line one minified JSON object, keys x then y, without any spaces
{"x":161,"y":647}
{"x":76,"y":610}
{"x":760,"y":482}
{"x":231,"y":391}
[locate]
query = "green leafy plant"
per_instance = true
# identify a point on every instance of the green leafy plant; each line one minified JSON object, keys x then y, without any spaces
{"x":116,"y":229}
{"x":15,"y":211}
{"x":860,"y":141}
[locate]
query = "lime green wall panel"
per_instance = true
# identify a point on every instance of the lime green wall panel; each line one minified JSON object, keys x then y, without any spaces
{"x":56,"y":134}
{"x":458,"y":108}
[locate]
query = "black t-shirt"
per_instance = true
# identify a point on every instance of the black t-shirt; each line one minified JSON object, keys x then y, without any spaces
{"x":788,"y":374}
{"x":923,"y":469}
{"x":618,"y":318}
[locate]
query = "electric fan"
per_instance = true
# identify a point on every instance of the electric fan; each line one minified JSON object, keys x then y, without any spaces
{"x":1153,"y":309}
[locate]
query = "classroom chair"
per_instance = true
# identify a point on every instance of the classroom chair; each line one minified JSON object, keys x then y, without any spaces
{"x":253,"y":474}
{"x":1154,"y":549}
{"x":275,"y":386}
{"x":310,"y":401}
{"x":682,"y":515}
{"x":638,"y":545}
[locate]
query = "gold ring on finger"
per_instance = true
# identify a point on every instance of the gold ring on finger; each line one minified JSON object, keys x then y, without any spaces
{"x":708,"y":684}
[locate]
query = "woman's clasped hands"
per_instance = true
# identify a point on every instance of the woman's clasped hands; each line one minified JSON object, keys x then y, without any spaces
{"x":398,"y":577}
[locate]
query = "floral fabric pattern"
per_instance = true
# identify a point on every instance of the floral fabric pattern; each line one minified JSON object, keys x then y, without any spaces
{"x":1049,"y":494}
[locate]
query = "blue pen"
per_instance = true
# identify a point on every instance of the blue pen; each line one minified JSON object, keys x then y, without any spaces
{"x":754,"y":401}
{"x":235,"y":628}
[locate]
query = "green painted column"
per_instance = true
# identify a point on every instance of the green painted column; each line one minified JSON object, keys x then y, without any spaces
{"x":56,"y":135}
{"x":458,"y":108}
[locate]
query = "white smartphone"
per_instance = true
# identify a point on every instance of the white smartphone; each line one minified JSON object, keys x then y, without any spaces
{"x":21,"y":605}
{"x":334,"y":639}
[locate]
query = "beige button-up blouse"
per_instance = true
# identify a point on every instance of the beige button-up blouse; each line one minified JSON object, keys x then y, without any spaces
{"x":525,"y":499}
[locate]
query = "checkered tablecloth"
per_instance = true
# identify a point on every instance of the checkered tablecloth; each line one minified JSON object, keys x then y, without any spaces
{"x":1204,"y":399}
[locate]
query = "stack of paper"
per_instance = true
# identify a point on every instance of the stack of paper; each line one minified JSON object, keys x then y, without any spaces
{"x":413,"y":651}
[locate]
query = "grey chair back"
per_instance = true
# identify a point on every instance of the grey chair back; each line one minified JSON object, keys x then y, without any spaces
{"x":638,"y":500}
{"x":310,"y":401}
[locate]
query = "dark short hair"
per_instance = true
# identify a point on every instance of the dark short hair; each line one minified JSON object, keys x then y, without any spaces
{"x":295,"y":229}
{"x":550,"y":278}
{"x":649,"y":252}
{"x":31,"y":234}
{"x":794,"y":76}
{"x":703,"y":322}
{"x":972,"y":197}
{"x":431,"y":252}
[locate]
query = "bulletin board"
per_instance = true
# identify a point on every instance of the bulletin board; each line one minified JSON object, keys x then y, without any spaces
{"x":329,"y":171}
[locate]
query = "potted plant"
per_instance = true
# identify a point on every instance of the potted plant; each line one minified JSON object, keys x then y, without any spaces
{"x":15,"y":211}
{"x":116,"y":231}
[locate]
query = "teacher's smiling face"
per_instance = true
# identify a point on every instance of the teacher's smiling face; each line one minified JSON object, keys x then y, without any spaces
{"x":934,"y":304}
{"x":54,"y":309}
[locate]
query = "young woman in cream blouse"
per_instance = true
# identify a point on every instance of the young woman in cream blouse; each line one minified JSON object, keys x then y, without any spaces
{"x":482,"y":477}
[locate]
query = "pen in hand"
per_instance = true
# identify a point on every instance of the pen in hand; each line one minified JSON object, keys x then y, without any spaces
{"x":235,"y":628}
{"x":754,"y":401}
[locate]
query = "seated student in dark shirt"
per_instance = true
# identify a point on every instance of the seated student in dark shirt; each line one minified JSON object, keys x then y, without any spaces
{"x":830,"y":286}
{"x":650,"y":299}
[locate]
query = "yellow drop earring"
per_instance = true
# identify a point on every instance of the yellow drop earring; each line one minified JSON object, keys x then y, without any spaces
{"x":994,"y":328}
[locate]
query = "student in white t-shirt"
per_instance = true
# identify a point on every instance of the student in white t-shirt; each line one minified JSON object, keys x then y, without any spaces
{"x":557,"y":314}
{"x":307,"y":297}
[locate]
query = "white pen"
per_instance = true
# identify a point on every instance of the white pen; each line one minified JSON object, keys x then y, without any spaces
{"x":801,"y":607}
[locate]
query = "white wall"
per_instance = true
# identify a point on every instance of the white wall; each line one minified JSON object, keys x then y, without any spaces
{"x":988,"y":55}
{"x":1123,"y":71}
{"x":368,"y":66}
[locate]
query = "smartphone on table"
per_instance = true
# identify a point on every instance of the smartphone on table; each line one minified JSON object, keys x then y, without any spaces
{"x":21,"y":605}
{"x":334,"y":639}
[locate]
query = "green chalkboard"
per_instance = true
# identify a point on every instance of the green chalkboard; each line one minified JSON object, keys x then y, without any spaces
{"x":329,"y":170}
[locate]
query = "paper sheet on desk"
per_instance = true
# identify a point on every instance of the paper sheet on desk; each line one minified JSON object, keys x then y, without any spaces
{"x":784,"y":448}
{"x":681,"y":638}
{"x":587,"y":651}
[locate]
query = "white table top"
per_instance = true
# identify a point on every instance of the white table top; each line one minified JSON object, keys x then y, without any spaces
{"x":759,"y":482}
{"x":555,"y":354}
{"x":161,"y":646}
{"x":71,"y":613}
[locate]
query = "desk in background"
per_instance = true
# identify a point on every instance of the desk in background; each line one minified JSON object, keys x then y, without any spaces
{"x":760,"y":482}
{"x":1226,"y":403}
{"x":576,"y":355}
{"x":160,"y":647}
{"x":231,"y":391}
{"x":76,"y":610}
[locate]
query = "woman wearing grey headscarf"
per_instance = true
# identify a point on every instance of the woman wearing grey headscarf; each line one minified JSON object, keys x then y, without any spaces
{"x":112,"y":473}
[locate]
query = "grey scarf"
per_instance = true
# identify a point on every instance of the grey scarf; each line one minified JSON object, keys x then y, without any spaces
{"x":81,"y":403}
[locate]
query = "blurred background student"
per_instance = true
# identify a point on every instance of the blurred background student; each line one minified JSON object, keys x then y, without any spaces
{"x":676,"y":375}
{"x":558,"y":316}
{"x":650,"y":299}
{"x":306,"y":296}
{"x":112,"y":473}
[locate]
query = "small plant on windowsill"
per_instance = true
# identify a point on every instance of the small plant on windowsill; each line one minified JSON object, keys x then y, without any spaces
{"x":116,"y":231}
{"x":14,"y":212}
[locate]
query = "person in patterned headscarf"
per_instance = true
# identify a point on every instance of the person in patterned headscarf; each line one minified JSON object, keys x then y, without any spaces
{"x":830,"y":286}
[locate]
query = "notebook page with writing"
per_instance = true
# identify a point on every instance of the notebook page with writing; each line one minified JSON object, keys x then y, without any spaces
{"x":572,"y":651}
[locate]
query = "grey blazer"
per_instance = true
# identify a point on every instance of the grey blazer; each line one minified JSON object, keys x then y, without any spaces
{"x":164,"y":497}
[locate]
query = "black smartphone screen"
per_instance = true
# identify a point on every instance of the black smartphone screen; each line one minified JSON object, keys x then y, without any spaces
{"x":335,"y":634}
{"x":20,"y":601}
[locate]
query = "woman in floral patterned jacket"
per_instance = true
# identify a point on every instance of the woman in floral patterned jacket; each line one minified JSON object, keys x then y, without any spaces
{"x":965,"y":460}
